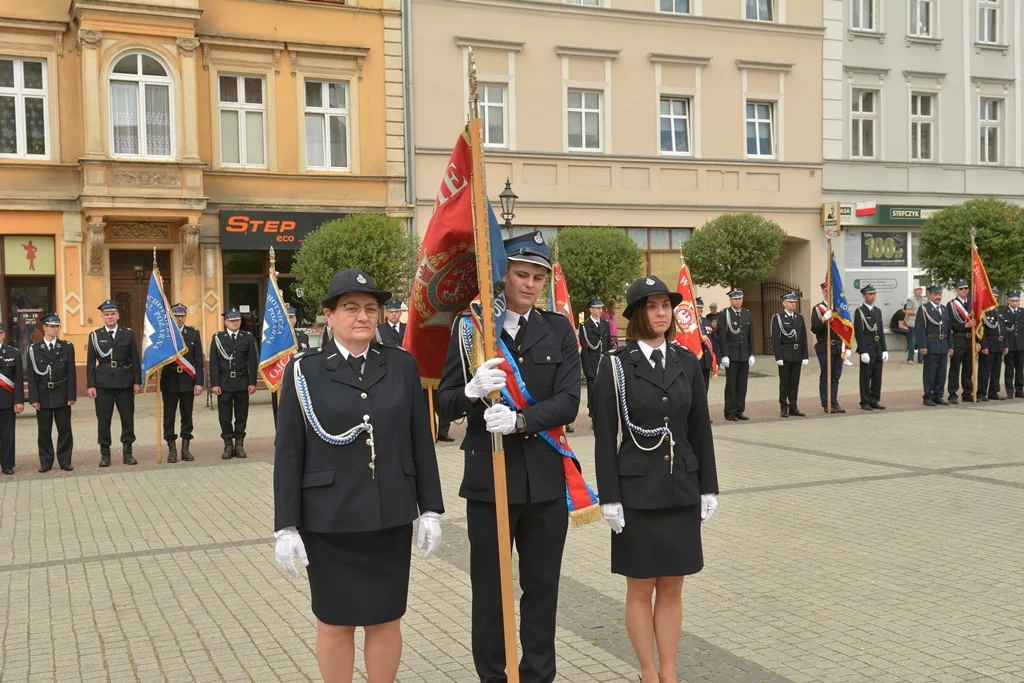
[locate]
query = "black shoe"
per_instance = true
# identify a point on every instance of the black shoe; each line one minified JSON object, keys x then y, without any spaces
{"x":186,"y":454}
{"x":953,"y":400}
{"x":877,"y":406}
{"x":836,"y":408}
{"x":996,"y":397}
{"x":941,"y":402}
{"x":6,"y":470}
{"x":105,"y":457}
{"x":67,"y":469}
{"x":444,"y":438}
{"x":983,"y":398}
{"x":795,"y":412}
{"x":731,"y":418}
{"x":1018,"y":395}
{"x":569,"y":429}
{"x":743,"y":417}
{"x":229,"y":449}
{"x":43,"y":470}
{"x":866,"y":406}
{"x":127,"y":459}
{"x":784,"y":412}
{"x":929,"y":402}
{"x":172,"y":452}
{"x":968,"y":399}
{"x":239,"y":450}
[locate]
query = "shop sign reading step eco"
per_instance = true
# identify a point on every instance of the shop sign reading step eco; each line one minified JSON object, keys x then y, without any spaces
{"x":261,"y":230}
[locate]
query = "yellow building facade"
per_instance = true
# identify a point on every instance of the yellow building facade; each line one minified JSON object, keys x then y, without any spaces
{"x":210,"y":130}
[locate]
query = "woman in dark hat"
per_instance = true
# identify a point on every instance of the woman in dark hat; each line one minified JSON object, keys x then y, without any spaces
{"x":655,"y":461}
{"x":356,"y":468}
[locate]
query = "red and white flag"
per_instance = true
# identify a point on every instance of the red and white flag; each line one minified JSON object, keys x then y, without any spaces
{"x":865,"y":208}
{"x":688,"y":331}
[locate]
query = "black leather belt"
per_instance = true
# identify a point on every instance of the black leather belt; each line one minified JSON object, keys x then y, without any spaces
{"x":179,"y":368}
{"x":54,"y":385}
{"x":122,"y":364}
{"x":796,"y":346}
{"x":936,"y":336}
{"x":237,"y":373}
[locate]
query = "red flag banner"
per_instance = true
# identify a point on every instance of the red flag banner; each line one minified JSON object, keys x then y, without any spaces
{"x":558,"y":296}
{"x":688,"y":330}
{"x":982,"y":298}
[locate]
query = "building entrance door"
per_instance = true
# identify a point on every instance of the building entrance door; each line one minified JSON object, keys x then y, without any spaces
{"x":129,"y":281}
{"x":247,"y":296}
{"x":29,"y":300}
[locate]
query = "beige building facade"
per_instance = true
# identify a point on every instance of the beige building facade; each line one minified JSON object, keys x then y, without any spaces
{"x":651,"y":116}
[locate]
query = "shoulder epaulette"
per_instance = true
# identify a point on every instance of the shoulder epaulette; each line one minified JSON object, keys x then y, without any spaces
{"x":389,"y":345}
{"x":307,"y":352}
{"x":616,"y":350}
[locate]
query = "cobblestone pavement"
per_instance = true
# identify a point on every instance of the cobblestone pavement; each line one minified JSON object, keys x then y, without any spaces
{"x":881,"y":547}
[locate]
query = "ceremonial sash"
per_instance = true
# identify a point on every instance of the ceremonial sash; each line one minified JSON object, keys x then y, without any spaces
{"x":961,"y":312}
{"x":6,"y":383}
{"x":189,"y":369}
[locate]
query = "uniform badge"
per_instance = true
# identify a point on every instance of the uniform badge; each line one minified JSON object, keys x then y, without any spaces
{"x":538,"y":239}
{"x":360,"y":279}
{"x":649,"y":281}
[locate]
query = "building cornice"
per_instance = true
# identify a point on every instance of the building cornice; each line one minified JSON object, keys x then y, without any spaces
{"x":231,"y":41}
{"x":874,"y":71}
{"x":28,"y":25}
{"x":575,"y":51}
{"x":666,"y":58}
{"x":653,"y":206}
{"x":910,"y":75}
{"x":489,"y":43}
{"x":80,"y":6}
{"x":759,"y":65}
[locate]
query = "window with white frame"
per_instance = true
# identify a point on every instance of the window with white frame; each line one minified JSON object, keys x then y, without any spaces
{"x":675,"y":125}
{"x":675,"y":6}
{"x":140,"y":107}
{"x":492,"y":114}
{"x":864,"y":123}
{"x":584,"y":120}
{"x":24,"y":119}
{"x":922,"y":124}
{"x":761,"y":10}
{"x":327,"y":125}
{"x":989,"y":124}
{"x":863,"y":18}
{"x":760,"y":129}
{"x":921,"y":19}
{"x":988,"y":21}
{"x":243,"y":115}
{"x":587,"y":3}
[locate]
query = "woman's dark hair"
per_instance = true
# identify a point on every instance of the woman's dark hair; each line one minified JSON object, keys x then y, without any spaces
{"x":640,"y":328}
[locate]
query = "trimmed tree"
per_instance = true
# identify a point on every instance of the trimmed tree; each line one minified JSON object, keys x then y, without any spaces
{"x":375,"y":243}
{"x":734,"y":249}
{"x":945,"y":245}
{"x":597,"y":261}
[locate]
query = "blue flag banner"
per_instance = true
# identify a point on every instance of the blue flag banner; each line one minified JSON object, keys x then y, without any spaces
{"x":842,"y":318}
{"x":279,"y":343}
{"x":499,"y":264}
{"x":161,"y":339}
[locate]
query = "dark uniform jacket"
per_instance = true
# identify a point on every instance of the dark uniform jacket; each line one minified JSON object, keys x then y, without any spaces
{"x":303,"y":340}
{"x":1013,"y":324}
{"x":819,"y":328}
{"x":386,"y":334}
{"x":932,"y":328}
{"x":331,"y":489}
{"x":961,"y":334}
{"x":121,"y":369}
{"x":57,"y":381}
{"x":549,"y":362}
{"x":708,"y":344}
{"x":173,"y":378}
{"x":237,"y":372}
{"x":643,"y":479}
{"x":994,"y":335}
{"x":10,"y":367}
{"x":735,"y":340}
{"x":789,"y":337}
{"x":871,"y":343}
{"x":595,"y":341}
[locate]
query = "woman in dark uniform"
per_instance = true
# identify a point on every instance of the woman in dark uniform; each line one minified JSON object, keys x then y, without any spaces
{"x":655,"y":470}
{"x":355,"y":468}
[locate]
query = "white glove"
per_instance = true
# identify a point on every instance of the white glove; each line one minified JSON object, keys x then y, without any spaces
{"x":848,"y":352}
{"x":885,"y":356}
{"x":725,"y":362}
{"x":827,"y":316}
{"x":486,"y":379}
{"x":778,"y":362}
{"x":288,"y":544}
{"x":430,"y":533}
{"x":865,"y":358}
{"x":750,"y":361}
{"x":615,"y":517}
{"x":708,"y":506}
{"x":803,"y":362}
{"x":500,"y":419}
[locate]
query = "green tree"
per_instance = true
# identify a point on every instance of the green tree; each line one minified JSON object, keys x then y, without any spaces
{"x":945,"y":247}
{"x":734,"y":249}
{"x":597,"y":261}
{"x":375,"y":243}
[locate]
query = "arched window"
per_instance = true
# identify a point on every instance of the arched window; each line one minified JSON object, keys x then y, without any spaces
{"x":140,"y":107}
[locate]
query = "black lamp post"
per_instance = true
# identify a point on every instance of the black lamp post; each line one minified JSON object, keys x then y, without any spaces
{"x":508,"y":204}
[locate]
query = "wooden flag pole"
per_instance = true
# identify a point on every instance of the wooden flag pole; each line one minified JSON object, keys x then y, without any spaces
{"x":159,"y":441}
{"x":430,"y":407}
{"x":973,"y":330}
{"x":828,"y":332}
{"x":481,"y":229}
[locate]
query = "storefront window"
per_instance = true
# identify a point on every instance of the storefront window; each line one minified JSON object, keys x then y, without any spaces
{"x":661,"y":239}
{"x":243,"y":262}
{"x":915,"y":245}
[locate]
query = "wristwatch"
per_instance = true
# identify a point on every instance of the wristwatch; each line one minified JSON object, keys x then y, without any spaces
{"x":520,"y":423}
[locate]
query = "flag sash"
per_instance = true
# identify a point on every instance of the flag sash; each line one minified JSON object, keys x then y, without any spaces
{"x":189,"y":369}
{"x":6,"y":383}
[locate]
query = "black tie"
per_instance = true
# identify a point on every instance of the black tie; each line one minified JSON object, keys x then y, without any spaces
{"x":521,"y":332}
{"x":111,"y":333}
{"x":656,"y":359}
{"x":357,"y":365}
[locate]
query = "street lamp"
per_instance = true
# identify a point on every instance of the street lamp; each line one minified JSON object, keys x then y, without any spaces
{"x":508,"y":204}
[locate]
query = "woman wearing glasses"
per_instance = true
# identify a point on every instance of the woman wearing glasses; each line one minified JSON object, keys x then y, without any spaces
{"x":354,"y":469}
{"x":655,"y":462}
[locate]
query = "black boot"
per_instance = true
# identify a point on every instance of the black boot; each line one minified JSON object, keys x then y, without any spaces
{"x":444,"y":437}
{"x":186,"y":454}
{"x":172,"y":451}
{"x":239,"y":449}
{"x":126,"y":455}
{"x":104,"y":456}
{"x":229,"y":450}
{"x":795,"y":412}
{"x":784,"y":412}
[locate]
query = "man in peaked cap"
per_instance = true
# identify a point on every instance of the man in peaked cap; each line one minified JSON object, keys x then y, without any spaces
{"x":735,"y":336}
{"x":962,"y":335}
{"x":52,"y":390}
{"x":932,"y":332}
{"x":180,"y":383}
{"x":820,"y":316}
{"x":991,"y":348}
{"x":1013,"y":321}
{"x":12,"y":401}
{"x":113,"y":375}
{"x":869,"y":333}
{"x":707,"y":339}
{"x":789,"y":340}
{"x":233,"y":358}
{"x":392,"y":330}
{"x":595,"y":341}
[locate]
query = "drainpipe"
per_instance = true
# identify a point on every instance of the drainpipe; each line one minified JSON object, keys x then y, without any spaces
{"x":410,"y":136}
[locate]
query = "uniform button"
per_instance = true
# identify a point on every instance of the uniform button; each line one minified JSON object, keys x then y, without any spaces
{"x":664,"y":399}
{"x":666,"y":458}
{"x":520,"y":359}
{"x":548,"y":357}
{"x":370,"y":442}
{"x":363,"y":395}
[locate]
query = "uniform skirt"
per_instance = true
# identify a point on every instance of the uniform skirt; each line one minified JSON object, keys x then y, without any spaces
{"x":654,"y":543}
{"x":359,"y":579}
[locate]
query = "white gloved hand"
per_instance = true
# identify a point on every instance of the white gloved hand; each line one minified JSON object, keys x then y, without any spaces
{"x":486,"y":379}
{"x":803,"y":362}
{"x":288,"y":544}
{"x":827,"y":316}
{"x":885,"y":356}
{"x":725,"y":362}
{"x":614,"y":515}
{"x":430,"y":533}
{"x":500,"y":419}
{"x":750,"y":361}
{"x":778,"y":362}
{"x":708,"y":506}
{"x":865,"y":358}
{"x":848,"y":352}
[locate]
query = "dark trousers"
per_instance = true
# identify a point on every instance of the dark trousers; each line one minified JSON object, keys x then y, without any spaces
{"x":7,"y":438}
{"x":736,"y":387}
{"x":124,"y":399}
{"x":960,"y":373}
{"x":934,"y":375}
{"x":65,"y":439}
{"x":707,"y":378}
{"x":590,"y":396}
{"x":538,"y":531}
{"x":989,"y":366}
{"x":186,"y":399}
{"x":789,"y":383}
{"x":442,"y":425}
{"x":837,"y":372}
{"x":1014,"y":373}
{"x":237,"y":402}
{"x":871,"y":382}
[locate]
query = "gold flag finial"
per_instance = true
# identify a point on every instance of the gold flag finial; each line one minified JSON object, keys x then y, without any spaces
{"x":273,"y":259}
{"x":474,"y":95}
{"x":154,"y":259}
